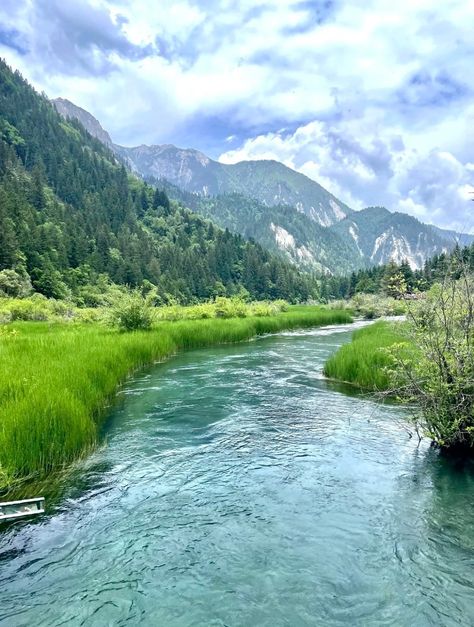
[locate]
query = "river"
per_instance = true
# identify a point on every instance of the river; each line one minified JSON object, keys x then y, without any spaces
{"x":237,"y":487}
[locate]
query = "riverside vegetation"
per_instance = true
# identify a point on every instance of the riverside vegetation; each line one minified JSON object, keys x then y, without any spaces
{"x":364,"y":362}
{"x":57,"y":377}
{"x":76,"y":229}
{"x":427,"y":362}
{"x":86,"y":248}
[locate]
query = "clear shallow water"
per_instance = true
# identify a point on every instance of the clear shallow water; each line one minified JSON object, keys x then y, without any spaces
{"x":238,"y":487}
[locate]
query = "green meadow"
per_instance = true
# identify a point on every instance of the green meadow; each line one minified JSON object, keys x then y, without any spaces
{"x":57,"y":378}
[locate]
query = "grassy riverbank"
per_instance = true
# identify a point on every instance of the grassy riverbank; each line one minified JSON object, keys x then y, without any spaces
{"x":56,"y":379}
{"x":363,"y":362}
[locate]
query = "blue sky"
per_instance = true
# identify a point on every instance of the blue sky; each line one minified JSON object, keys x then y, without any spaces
{"x":374,"y":100}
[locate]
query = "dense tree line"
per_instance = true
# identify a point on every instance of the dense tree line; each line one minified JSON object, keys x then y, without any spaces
{"x":73,"y":220}
{"x":387,"y":278}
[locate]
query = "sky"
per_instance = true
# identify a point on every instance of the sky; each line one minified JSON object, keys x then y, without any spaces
{"x":374,"y":99}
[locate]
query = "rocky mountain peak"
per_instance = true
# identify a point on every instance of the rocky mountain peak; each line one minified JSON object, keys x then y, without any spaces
{"x":68,"y":109}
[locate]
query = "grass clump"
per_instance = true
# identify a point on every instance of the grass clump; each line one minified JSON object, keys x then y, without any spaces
{"x":56,"y":379}
{"x":365,"y":362}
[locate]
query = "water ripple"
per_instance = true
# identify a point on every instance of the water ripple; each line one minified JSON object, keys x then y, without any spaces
{"x":238,"y":487}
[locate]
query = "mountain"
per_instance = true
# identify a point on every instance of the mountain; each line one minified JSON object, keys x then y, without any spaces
{"x":453,"y":237}
{"x":279,"y":229}
{"x":69,"y":110}
{"x":372,"y":236}
{"x":269,"y":182}
{"x":74,"y":223}
{"x":381,"y":236}
{"x":283,"y":210}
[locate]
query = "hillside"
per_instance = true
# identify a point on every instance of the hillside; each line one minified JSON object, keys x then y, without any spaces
{"x":73,"y":221}
{"x":371,"y":237}
{"x":283,"y":210}
{"x":69,"y":110}
{"x":280,"y":229}
{"x":269,"y":182}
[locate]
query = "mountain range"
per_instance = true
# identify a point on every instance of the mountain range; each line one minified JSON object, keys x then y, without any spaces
{"x":283,"y":210}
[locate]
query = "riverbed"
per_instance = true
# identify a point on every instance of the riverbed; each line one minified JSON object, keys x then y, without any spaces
{"x":237,"y":487}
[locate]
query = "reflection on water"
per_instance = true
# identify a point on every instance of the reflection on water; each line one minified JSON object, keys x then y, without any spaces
{"x":238,"y":487}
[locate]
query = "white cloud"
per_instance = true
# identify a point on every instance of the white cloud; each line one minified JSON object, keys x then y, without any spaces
{"x":372,"y":170}
{"x":377,"y":96}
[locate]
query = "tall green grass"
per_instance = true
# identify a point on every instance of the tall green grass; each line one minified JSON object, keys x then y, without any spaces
{"x":56,"y":379}
{"x":364,"y":361}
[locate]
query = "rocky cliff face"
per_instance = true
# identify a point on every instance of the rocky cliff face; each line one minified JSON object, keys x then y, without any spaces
{"x":382,"y":236}
{"x":69,"y":110}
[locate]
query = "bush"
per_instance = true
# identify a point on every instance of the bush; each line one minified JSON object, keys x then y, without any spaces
{"x":200,"y":312}
{"x":222,"y":307}
{"x":90,"y":315}
{"x":261,"y":309}
{"x":440,"y":382}
{"x":268,"y":308}
{"x":132,"y":312}
{"x":14,"y":284}
{"x":230,"y":307}
{"x":27,"y":309}
{"x":282,"y":305}
{"x":35,"y":308}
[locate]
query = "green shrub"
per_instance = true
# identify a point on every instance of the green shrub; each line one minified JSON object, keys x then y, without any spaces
{"x":282,"y":305}
{"x":230,"y":307}
{"x":371,"y":306}
{"x":439,"y":384}
{"x":26,"y":309}
{"x":221,"y":307}
{"x":35,"y":308}
{"x":200,"y":312}
{"x":262,"y":309}
{"x":90,"y":315}
{"x":14,"y":284}
{"x":132,"y":312}
{"x":268,"y":307}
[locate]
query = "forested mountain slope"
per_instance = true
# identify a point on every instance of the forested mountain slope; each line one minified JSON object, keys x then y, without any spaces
{"x":269,"y":182}
{"x":88,"y":121}
{"x":279,"y":229}
{"x":281,"y":209}
{"x":72,"y":217}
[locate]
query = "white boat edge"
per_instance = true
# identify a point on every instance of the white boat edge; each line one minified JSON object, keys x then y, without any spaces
{"x":39,"y":501}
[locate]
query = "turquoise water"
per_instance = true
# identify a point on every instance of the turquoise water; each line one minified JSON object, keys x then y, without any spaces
{"x":238,"y":487}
